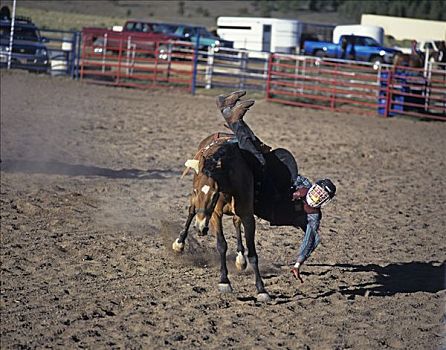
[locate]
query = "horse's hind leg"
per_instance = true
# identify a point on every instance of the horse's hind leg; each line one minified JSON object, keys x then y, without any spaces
{"x":178,"y":244}
{"x":222,"y":246}
{"x":240,"y":261}
{"x":250,"y":228}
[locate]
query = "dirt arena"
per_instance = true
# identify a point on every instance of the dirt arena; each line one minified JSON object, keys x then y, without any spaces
{"x":91,"y":200}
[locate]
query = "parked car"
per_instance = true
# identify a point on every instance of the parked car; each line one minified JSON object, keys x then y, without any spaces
{"x":353,"y":47}
{"x":143,"y":37}
{"x":185,"y":32}
{"x":28,"y":46}
{"x":206,"y":38}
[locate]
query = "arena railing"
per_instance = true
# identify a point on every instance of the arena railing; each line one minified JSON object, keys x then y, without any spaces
{"x":319,"y":83}
{"x":63,"y":49}
{"x":124,"y":61}
{"x":364,"y":88}
{"x":229,"y":68}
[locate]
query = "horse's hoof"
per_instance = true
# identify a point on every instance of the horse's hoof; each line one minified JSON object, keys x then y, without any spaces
{"x":177,"y":246}
{"x":240,"y":262}
{"x":263,"y":297}
{"x":224,"y":288}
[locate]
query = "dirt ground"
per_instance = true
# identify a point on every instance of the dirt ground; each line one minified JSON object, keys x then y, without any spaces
{"x":91,"y":200}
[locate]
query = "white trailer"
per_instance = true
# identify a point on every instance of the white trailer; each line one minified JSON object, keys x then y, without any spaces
{"x":260,"y":34}
{"x":373,"y":32}
{"x":408,"y":28}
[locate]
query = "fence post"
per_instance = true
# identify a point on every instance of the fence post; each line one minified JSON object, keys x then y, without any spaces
{"x":169,"y":60}
{"x":209,"y":68}
{"x":78,"y":55}
{"x":242,"y":69}
{"x":82,"y":63}
{"x":72,"y":54}
{"x":388,"y":93}
{"x":104,"y":52}
{"x":157,"y":54}
{"x":268,"y":77}
{"x":333,"y":89}
{"x":195,"y":65}
{"x":118,"y":77}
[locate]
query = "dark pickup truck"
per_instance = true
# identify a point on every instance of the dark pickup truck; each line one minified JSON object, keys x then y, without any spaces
{"x":351,"y":47}
{"x":28,"y":46}
{"x":136,"y":35}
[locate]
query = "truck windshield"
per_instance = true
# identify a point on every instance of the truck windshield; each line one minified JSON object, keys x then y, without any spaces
{"x":370,"y":42}
{"x":138,"y":27}
{"x":164,"y":28}
{"x":20,"y":33}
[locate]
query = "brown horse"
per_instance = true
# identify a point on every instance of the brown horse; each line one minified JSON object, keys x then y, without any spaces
{"x":224,"y":184}
{"x":408,"y":60}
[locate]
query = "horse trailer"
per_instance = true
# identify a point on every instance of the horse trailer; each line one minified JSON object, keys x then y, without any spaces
{"x":260,"y":34}
{"x":373,"y":32}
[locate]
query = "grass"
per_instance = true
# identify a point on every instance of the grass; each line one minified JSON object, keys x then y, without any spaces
{"x":46,"y":19}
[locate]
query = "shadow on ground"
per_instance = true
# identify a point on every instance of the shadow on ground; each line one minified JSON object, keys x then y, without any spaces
{"x":60,"y":168}
{"x":412,"y":277}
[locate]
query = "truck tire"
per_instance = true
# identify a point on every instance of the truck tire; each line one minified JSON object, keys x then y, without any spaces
{"x":319,"y":53}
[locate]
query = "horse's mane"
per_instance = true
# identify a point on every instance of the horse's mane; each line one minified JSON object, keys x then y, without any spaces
{"x":218,"y":161}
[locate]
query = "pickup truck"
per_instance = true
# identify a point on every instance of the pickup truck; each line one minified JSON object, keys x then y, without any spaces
{"x":353,"y":47}
{"x":142,"y":36}
{"x":206,"y":39}
{"x":28,"y":50}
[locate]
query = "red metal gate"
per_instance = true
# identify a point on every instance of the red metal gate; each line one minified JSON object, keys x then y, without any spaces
{"x":360,"y":87}
{"x":119,"y":60}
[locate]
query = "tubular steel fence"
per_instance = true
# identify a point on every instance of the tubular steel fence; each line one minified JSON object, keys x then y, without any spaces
{"x":124,"y":62}
{"x":319,"y":83}
{"x":63,"y":49}
{"x":232,"y":69}
{"x":360,"y":87}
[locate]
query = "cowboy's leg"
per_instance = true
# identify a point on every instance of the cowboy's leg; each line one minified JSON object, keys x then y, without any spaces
{"x":247,"y":140}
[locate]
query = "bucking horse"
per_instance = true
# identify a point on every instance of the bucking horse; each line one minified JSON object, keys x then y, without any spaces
{"x":223,"y":184}
{"x":227,"y":182}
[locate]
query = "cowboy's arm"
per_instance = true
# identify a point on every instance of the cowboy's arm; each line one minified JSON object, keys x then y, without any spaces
{"x":309,"y":243}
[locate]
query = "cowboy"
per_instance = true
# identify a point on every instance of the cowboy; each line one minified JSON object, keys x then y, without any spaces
{"x":308,"y":198}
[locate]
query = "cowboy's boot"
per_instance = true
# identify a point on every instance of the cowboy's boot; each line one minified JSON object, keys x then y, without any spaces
{"x":237,"y":112}
{"x":225,"y":101}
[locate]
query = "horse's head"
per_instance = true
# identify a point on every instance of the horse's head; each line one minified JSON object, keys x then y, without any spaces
{"x":205,"y":196}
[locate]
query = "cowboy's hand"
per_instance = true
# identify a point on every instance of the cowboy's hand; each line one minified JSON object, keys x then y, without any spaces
{"x":296,"y":272}
{"x":297,"y":194}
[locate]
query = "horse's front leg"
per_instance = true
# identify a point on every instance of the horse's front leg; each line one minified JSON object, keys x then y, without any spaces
{"x":224,"y":285}
{"x":250,"y":229}
{"x":178,"y":244}
{"x":240,"y":261}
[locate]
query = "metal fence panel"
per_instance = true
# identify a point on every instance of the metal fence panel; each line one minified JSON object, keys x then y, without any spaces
{"x":361,"y":87}
{"x":123,"y":62}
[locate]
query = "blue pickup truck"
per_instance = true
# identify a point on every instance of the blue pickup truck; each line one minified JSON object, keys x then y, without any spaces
{"x":351,"y":47}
